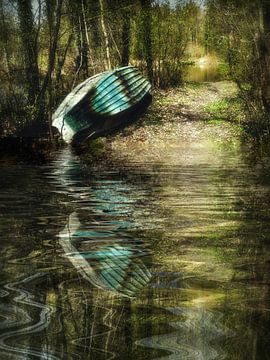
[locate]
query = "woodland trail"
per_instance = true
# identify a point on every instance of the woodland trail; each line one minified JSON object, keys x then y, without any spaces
{"x":191,"y":114}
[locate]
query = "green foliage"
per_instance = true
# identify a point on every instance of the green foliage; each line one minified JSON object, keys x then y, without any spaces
{"x":239,"y":32}
{"x":161,"y":39}
{"x":36,"y":75}
{"x":223,"y":71}
{"x":172,"y":31}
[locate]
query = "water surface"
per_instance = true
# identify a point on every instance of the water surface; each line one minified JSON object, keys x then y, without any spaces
{"x":164,"y":260}
{"x":203,"y":73}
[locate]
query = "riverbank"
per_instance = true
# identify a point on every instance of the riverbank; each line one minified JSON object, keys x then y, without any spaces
{"x":192,"y":114}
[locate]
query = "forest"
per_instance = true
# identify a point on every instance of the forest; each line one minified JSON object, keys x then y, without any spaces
{"x":49,"y":46}
{"x":151,"y":242}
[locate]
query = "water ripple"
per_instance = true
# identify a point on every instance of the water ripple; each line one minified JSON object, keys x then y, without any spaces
{"x":24,"y":297}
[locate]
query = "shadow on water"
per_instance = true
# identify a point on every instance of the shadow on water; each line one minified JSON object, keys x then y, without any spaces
{"x":162,"y":260}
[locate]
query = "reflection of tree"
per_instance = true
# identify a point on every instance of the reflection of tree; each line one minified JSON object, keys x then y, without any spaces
{"x":216,"y":249}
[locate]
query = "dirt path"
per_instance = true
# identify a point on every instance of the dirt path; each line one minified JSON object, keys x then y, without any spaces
{"x":191,"y":114}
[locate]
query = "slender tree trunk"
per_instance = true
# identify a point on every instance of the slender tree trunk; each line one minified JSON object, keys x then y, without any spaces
{"x":147,"y":36}
{"x":28,"y":32}
{"x":78,"y":34}
{"x":89,"y":56}
{"x":5,"y":36}
{"x":54,"y":20}
{"x":61,"y":62}
{"x":84,"y":43}
{"x":105,"y":34}
{"x":125,"y":39}
{"x":81,"y":37}
{"x":206,"y":35}
{"x":265,"y":52}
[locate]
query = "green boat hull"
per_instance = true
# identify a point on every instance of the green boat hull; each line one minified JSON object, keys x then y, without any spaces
{"x":103,"y":104}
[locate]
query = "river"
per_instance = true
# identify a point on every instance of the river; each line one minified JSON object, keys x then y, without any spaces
{"x":159,"y":260}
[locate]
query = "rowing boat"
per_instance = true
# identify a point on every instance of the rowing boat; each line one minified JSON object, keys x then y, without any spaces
{"x":102,"y":104}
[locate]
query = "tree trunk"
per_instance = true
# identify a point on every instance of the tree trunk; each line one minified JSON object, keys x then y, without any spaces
{"x":147,"y":37}
{"x":105,"y":34}
{"x":125,"y":39}
{"x":81,"y":37}
{"x":61,"y":62}
{"x":87,"y":40}
{"x":5,"y":37}
{"x":28,"y":36}
{"x":84,"y":42}
{"x":54,"y":19}
{"x":265,"y":53}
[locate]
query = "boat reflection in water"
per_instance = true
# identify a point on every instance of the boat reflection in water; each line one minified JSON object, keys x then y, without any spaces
{"x":114,"y":267}
{"x":92,"y":239}
{"x":73,"y":263}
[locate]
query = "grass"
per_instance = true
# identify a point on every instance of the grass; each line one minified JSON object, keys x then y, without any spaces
{"x":217,"y":107}
{"x":216,"y":121}
{"x":228,"y":109}
{"x":195,"y":85}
